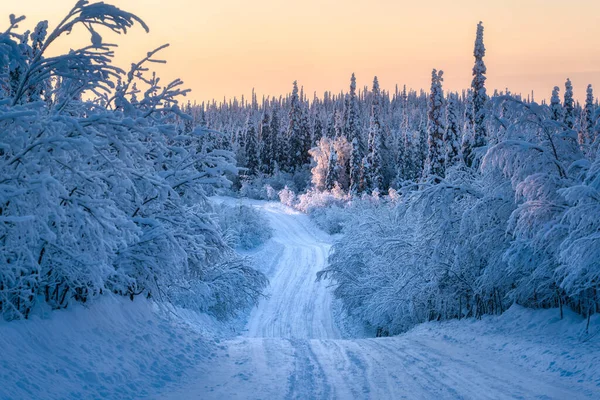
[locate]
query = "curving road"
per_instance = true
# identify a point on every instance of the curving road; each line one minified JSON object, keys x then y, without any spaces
{"x":292,"y":348}
{"x":296,"y":307}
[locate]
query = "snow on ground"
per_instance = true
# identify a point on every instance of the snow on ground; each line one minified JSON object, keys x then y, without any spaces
{"x":115,"y":349}
{"x":292,"y":347}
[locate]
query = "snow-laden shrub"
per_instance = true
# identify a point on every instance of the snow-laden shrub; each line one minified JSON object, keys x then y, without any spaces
{"x":314,"y":199}
{"x":287,"y":197}
{"x":523,"y":228}
{"x":262,"y":187}
{"x":244,"y":227}
{"x":106,"y":194}
{"x":332,"y":219}
{"x":271,"y":193}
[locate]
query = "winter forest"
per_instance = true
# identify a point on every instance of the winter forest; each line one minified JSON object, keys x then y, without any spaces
{"x":131,"y":212}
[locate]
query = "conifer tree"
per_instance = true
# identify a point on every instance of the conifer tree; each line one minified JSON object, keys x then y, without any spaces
{"x":305,"y":136}
{"x":468,"y":137}
{"x":355,"y":168}
{"x":403,"y":152}
{"x":555,"y":106}
{"x":330,"y":126}
{"x":452,"y":132}
{"x":294,"y":131}
{"x":352,"y":123}
{"x":252,"y":156}
{"x":412,"y":166}
{"x":365,"y":184}
{"x":332,"y":168}
{"x":377,"y":147}
{"x":352,"y":133}
{"x":266,"y":144}
{"x":436,"y":156}
{"x":318,"y":130}
{"x":240,"y":144}
{"x":586,"y":134}
{"x":479,"y":92}
{"x":421,"y":151}
{"x":278,"y":143}
{"x":569,"y":105}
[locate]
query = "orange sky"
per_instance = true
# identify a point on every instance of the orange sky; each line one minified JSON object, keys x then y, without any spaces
{"x":227,"y":47}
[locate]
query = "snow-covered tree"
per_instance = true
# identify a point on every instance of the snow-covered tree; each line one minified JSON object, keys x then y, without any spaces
{"x":453,"y":131}
{"x":251,"y":151}
{"x":279,"y":144}
{"x":377,"y":146}
{"x":569,"y":105}
{"x":556,"y":109}
{"x":295,"y":130}
{"x":332,"y":169}
{"x":105,"y":195}
{"x":586,"y":133}
{"x":479,"y":93}
{"x":435,"y":164}
{"x":468,"y":137}
{"x":266,"y":144}
{"x":352,"y":134}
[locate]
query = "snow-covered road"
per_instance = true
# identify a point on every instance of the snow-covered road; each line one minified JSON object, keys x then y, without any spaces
{"x":292,"y":348}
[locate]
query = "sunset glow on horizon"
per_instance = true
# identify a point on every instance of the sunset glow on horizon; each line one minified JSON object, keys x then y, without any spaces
{"x":224,"y":49}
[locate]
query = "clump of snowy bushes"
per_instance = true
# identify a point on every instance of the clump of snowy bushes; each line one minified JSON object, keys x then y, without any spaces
{"x":108,"y":194}
{"x":327,"y":208}
{"x":522,"y":228}
{"x":333,"y":209}
{"x":267,"y":187}
{"x":243,"y":226}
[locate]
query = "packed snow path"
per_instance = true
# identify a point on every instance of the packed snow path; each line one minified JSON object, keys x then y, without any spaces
{"x":292,"y":348}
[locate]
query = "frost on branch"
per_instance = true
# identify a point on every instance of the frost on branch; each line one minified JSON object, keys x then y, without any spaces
{"x":106,"y":195}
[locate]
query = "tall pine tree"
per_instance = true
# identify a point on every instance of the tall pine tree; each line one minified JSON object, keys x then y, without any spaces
{"x":266,"y":144}
{"x":555,"y":106}
{"x":479,"y":93}
{"x":294,"y":131}
{"x":586,"y":134}
{"x":452,"y":131}
{"x":252,"y":156}
{"x":352,"y":133}
{"x":569,"y":105}
{"x":436,"y":156}
{"x":377,"y":144}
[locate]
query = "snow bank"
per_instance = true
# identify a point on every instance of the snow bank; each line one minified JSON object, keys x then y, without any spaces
{"x":113,"y":349}
{"x":533,"y":339}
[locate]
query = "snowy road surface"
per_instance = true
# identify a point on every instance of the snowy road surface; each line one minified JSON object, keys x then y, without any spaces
{"x":292,"y":348}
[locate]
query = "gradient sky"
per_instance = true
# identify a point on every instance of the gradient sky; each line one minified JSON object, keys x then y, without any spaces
{"x":227,"y":47}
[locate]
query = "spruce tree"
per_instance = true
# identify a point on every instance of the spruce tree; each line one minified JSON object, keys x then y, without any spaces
{"x":332,"y":169}
{"x":375,"y":179}
{"x":421,"y":150}
{"x":468,"y":138}
{"x":436,"y":155}
{"x":452,"y":131}
{"x":355,"y":168}
{"x":352,"y":133}
{"x":479,"y":93}
{"x":252,"y":156}
{"x":305,"y":136}
{"x":318,"y":130}
{"x":412,"y":158}
{"x":586,"y":134}
{"x":569,"y":105}
{"x":555,"y":106}
{"x":294,"y":131}
{"x":266,"y":144}
{"x":278,"y":143}
{"x":403,"y":153}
